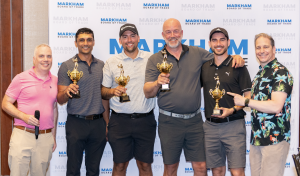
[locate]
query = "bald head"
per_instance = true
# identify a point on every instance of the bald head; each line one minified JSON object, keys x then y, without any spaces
{"x":172,"y":33}
{"x":171,"y":23}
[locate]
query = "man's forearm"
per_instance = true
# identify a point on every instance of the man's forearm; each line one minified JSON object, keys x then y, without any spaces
{"x":11,"y":109}
{"x":106,"y":93}
{"x":55,"y":113}
{"x":151,"y":89}
{"x":246,"y":95}
{"x":106,"y":112}
{"x":62,"y":97}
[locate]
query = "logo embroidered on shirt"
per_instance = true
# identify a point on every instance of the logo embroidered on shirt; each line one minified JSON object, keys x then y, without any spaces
{"x":227,"y":73}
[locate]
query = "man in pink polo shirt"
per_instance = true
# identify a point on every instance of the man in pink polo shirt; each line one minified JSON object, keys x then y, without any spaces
{"x":34,"y":89}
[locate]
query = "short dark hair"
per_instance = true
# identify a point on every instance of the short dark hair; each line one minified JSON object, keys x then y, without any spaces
{"x":84,"y":30}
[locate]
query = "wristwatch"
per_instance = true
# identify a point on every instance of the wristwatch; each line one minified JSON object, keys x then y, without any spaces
{"x":234,"y":110}
{"x":247,"y":102}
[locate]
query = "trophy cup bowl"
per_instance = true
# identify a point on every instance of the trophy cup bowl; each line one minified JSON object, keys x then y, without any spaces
{"x":123,"y":81}
{"x":75,"y":76}
{"x":217,"y":94}
{"x":165,"y":68}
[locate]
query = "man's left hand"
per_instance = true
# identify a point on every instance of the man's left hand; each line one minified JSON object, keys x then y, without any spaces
{"x":238,"y":99}
{"x":237,"y":61}
{"x":54,"y":145}
{"x":226,"y":112}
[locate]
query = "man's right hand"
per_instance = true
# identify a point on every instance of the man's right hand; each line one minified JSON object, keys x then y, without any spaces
{"x":118,"y":91}
{"x":163,"y":78}
{"x":31,"y":120}
{"x":71,"y":88}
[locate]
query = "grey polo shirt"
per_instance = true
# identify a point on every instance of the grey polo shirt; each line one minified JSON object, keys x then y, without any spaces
{"x":135,"y":69}
{"x":236,"y":80}
{"x":185,"y":94}
{"x":90,"y":101}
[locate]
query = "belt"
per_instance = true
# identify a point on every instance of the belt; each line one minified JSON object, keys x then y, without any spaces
{"x":182,"y":116}
{"x":133,"y":115}
{"x":30,"y":130}
{"x":88,"y":117}
{"x":227,"y":119}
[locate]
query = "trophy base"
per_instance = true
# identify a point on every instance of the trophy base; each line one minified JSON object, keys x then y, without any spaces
{"x":124,"y":98}
{"x":165,"y":87}
{"x":217,"y":112}
{"x":75,"y":95}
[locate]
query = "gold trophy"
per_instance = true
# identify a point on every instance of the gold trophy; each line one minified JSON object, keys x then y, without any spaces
{"x":164,"y":67}
{"x":122,"y":81}
{"x":217,"y":94}
{"x":75,"y":76}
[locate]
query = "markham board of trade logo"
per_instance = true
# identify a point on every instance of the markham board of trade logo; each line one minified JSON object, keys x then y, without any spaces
{"x":197,"y":21}
{"x":106,"y":171}
{"x":287,"y":165}
{"x":289,"y":65}
{"x":113,"y":20}
{"x":113,"y":6}
{"x":66,"y":34}
{"x":61,"y":124}
{"x":64,"y":50}
{"x":279,"y":21}
{"x":70,"y":20}
{"x":157,"y":153}
{"x":70,"y":4}
{"x":239,"y":22}
{"x":62,"y":154}
{"x":283,"y":36}
{"x":151,"y":21}
{"x":156,"y":5}
{"x":197,"y":7}
{"x":188,"y":170}
{"x":283,"y":50}
{"x":239,"y":6}
{"x":279,"y":7}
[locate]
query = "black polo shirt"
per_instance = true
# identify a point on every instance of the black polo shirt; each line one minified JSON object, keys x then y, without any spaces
{"x":236,"y":80}
{"x":185,"y":94}
{"x":90,"y":101}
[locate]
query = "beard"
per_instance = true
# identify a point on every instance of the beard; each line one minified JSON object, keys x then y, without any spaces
{"x":175,"y":45}
{"x":219,"y":54}
{"x":130,"y":50}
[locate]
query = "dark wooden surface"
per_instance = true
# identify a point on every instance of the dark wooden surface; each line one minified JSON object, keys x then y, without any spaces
{"x":11,"y":58}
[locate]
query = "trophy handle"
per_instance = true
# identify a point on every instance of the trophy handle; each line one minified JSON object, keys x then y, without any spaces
{"x":210,"y":92}
{"x":117,"y":80}
{"x":128,"y":78}
{"x":223,"y":92}
{"x":69,"y":72}
{"x":171,"y":66}
{"x":80,"y":74}
{"x":158,"y":66}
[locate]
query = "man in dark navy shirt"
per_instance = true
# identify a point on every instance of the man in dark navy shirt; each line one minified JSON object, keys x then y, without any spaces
{"x":225,"y":134}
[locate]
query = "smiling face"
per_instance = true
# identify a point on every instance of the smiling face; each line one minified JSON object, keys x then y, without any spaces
{"x":129,"y":41}
{"x":219,"y":43}
{"x":264,"y":51}
{"x":172,"y":33}
{"x":85,"y":43}
{"x":42,"y":59}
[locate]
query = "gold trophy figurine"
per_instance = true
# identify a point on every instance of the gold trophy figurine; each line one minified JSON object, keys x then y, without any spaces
{"x":217,"y":94}
{"x":75,"y":76}
{"x":122,"y":81}
{"x":164,"y":67}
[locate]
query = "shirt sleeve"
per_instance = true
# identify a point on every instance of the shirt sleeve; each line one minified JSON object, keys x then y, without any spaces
{"x":152,"y":72}
{"x":14,"y":89}
{"x":107,"y":75}
{"x":283,"y":82}
{"x":63,"y":78}
{"x":244,"y":79}
{"x":206,"y":55}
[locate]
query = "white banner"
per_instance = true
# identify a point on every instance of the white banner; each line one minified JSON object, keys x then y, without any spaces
{"x":242,"y":19}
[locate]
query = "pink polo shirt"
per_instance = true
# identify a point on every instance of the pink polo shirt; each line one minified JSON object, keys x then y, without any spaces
{"x":33,"y":94}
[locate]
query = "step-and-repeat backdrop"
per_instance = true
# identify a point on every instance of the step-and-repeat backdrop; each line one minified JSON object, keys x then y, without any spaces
{"x":242,"y":19}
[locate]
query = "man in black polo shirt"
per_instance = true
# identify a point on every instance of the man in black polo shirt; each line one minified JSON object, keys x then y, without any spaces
{"x":87,"y":118}
{"x":180,"y":122}
{"x":225,"y":134}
